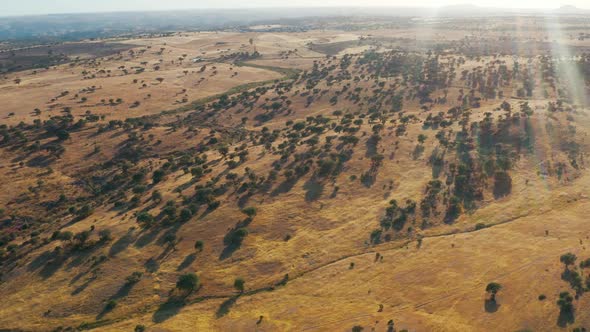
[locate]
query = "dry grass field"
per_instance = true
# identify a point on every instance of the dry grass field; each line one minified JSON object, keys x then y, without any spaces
{"x":350,"y":178}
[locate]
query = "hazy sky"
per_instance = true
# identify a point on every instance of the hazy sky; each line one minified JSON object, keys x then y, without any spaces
{"x":25,"y":7}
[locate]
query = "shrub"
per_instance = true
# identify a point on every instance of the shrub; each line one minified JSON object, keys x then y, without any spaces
{"x":213,"y":205}
{"x":145,"y":218}
{"x":62,"y":135}
{"x":111,"y":305}
{"x":239,"y":284}
{"x":158,"y":176}
{"x":134,"y":278}
{"x":139,"y":189}
{"x":199,"y":245}
{"x":249,"y":211}
{"x":82,"y":236}
{"x":585,"y":263}
{"x":156,"y":196}
{"x":493,"y":288}
{"x":376,"y":236}
{"x":170,"y":238}
{"x":565,"y":302}
{"x":568,"y":259}
{"x":85,"y":211}
{"x":238,"y":236}
{"x":105,"y":235}
{"x":185,"y":214}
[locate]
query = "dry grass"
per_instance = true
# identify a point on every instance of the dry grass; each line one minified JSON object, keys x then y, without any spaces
{"x":306,"y":232}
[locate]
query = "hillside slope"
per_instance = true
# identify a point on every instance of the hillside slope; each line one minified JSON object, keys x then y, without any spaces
{"x":349,"y":191}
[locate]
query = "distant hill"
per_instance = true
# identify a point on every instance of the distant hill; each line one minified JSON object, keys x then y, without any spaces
{"x":96,"y":25}
{"x":569,"y":9}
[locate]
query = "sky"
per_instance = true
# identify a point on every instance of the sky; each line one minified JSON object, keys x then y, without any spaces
{"x":35,"y":7}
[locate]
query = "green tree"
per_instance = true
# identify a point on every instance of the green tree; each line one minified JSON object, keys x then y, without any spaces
{"x":565,"y":302}
{"x":568,"y":259}
{"x":170,"y":238}
{"x":145,"y":218}
{"x":62,"y":135}
{"x":188,"y":282}
{"x":199,"y":245}
{"x":223,"y":150}
{"x":422,"y":138}
{"x":134,"y":278}
{"x":493,"y":288}
{"x":82,"y":237}
{"x":238,"y":236}
{"x":185,"y":214}
{"x":156,"y":196}
{"x":66,"y":236}
{"x":239,"y":284}
{"x":249,"y":211}
{"x":158,"y":176}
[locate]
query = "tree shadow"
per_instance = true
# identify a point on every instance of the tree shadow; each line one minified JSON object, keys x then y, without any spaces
{"x":38,"y":261}
{"x":243,"y":200}
{"x":565,"y":317}
{"x":77,"y":261}
{"x":146,"y":238}
{"x":78,"y":277}
{"x":232,"y":241}
{"x":226,"y":306}
{"x":502,"y":185}
{"x":313,"y":190}
{"x":40,"y":161}
{"x":574,"y":279}
{"x":152,"y":265}
{"x":170,"y":248}
{"x":82,"y":287}
{"x":371,"y":146}
{"x":491,"y":306}
{"x":283,"y":187}
{"x":104,"y":311}
{"x":162,"y":240}
{"x":334,"y":192}
{"x":418,"y":150}
{"x":122,"y":243}
{"x":188,"y":260}
{"x":187,"y":184}
{"x":206,"y":212}
{"x":436,"y":170}
{"x":51,"y":267}
{"x":81,"y":255}
{"x":123,"y":291}
{"x":168,"y":310}
{"x":228,"y":251}
{"x":368,"y":180}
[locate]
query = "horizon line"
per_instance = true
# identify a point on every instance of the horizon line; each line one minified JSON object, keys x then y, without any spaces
{"x":466,"y":5}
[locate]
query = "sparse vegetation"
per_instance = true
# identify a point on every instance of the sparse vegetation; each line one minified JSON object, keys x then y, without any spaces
{"x":291,"y":155}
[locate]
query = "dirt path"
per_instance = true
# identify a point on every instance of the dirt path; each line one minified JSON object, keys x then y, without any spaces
{"x":456,"y":293}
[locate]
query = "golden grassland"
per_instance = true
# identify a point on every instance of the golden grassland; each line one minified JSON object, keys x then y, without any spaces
{"x":432,"y":280}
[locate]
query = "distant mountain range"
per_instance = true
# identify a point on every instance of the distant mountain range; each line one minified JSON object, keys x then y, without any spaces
{"x":93,"y":25}
{"x":570,"y":10}
{"x":469,"y":9}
